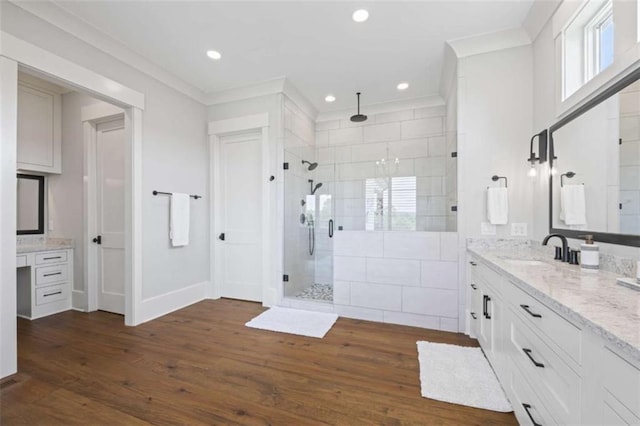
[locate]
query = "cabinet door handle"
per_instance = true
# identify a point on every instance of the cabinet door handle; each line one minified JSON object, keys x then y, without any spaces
{"x":533,"y":314}
{"x":487,"y":315}
{"x":484,"y":305}
{"x":51,"y":258}
{"x":473,"y":315}
{"x":527,"y":352}
{"x":51,"y":274}
{"x":473,"y":286}
{"x":526,"y":408}
{"x":473,"y":263}
{"x":53,"y":294}
{"x":330,"y":228}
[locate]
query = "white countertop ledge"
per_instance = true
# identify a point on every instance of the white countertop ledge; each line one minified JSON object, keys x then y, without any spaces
{"x":44,"y":245}
{"x":592,"y":300}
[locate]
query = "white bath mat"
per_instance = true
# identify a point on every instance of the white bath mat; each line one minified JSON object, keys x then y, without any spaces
{"x":459,"y":375}
{"x":294,"y":321}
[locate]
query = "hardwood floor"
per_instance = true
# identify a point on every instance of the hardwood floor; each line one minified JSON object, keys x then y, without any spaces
{"x":202,"y":366}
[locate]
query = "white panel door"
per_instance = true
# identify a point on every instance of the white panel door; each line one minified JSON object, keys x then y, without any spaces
{"x":241,"y":216}
{"x":110,"y":142}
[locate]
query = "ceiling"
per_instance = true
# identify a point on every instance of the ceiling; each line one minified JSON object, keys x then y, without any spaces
{"x":315,"y":44}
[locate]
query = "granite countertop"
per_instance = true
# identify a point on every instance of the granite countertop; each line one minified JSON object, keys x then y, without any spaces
{"x":33,"y":244}
{"x":591,"y":299}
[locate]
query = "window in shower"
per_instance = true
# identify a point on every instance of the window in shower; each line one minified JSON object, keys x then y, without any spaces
{"x":390,"y":204}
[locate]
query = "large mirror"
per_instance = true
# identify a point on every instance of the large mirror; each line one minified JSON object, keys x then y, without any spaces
{"x":595,"y":164}
{"x":30,"y":204}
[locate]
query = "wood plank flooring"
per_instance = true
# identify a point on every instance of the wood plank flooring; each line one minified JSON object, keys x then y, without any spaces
{"x":201,"y":365}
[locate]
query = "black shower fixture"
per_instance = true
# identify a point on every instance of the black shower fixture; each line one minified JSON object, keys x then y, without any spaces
{"x":358,"y":117}
{"x":314,"y":188}
{"x":312,"y":166}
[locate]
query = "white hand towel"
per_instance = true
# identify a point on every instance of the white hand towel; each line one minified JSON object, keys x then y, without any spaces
{"x":179,"y":232}
{"x":497,"y":206}
{"x":572,"y":204}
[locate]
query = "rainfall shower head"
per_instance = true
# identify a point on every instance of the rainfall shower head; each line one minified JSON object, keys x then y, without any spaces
{"x":312,"y":166}
{"x":358,"y":117}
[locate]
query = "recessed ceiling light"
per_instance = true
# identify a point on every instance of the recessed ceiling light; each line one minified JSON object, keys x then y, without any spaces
{"x":360,"y":15}
{"x":329,"y":98}
{"x":214,"y":54}
{"x":403,"y":86}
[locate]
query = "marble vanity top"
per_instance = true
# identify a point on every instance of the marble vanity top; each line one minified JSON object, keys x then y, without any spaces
{"x":33,"y":244}
{"x":591,"y":299}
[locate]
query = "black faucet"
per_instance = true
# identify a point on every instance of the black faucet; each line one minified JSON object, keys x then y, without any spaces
{"x":565,"y":245}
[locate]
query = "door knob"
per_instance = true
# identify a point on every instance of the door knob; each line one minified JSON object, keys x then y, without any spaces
{"x":221,"y":237}
{"x":98,"y":239}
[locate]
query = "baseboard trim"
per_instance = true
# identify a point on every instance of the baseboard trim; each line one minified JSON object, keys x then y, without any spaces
{"x":79,"y":300}
{"x":157,"y":306}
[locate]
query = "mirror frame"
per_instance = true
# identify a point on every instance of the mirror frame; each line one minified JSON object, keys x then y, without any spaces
{"x":40,"y":229}
{"x":604,"y":237}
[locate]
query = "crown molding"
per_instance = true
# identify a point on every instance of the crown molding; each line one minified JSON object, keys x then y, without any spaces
{"x":540,"y":13}
{"x":381,"y":108}
{"x":490,"y":42}
{"x":300,"y":100}
{"x":59,"y":17}
{"x":264,"y":88}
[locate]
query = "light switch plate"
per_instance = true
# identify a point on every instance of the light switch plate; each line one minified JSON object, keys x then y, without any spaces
{"x":487,"y":229}
{"x":518,"y":229}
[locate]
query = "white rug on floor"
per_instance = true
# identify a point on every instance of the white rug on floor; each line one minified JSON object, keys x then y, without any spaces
{"x":294,"y":321}
{"x":459,"y":375}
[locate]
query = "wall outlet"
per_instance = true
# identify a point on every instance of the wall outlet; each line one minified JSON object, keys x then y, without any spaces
{"x":487,"y":229}
{"x":518,"y":229}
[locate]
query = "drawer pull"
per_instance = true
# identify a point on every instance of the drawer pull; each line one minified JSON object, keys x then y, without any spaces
{"x":51,"y":274}
{"x":485,"y":306}
{"x":473,"y":263}
{"x":473,"y":315}
{"x":526,"y":308}
{"x":527,"y":352}
{"x":53,"y":294}
{"x":51,"y":258}
{"x":473,"y":286}
{"x":526,"y":408}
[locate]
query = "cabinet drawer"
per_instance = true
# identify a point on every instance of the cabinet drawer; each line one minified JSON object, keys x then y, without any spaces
{"x":51,"y":257}
{"x":21,"y":261}
{"x":523,"y":395}
{"x":52,"y":274}
{"x":52,"y":293}
{"x":559,"y":385}
{"x":547,"y":323}
{"x":622,"y":380}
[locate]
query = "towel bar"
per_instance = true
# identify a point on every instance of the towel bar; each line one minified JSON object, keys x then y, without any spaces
{"x":496,"y":178}
{"x":171,"y":193}
{"x":568,"y":175}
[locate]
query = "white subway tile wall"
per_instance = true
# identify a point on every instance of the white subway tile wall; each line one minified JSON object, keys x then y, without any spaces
{"x":408,"y":278}
{"x":421,"y":139}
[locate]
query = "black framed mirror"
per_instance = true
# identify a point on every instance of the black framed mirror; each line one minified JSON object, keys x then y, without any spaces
{"x":594,"y":184}
{"x":30,"y":204}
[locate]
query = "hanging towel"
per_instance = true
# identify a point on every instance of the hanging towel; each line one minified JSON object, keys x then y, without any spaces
{"x":179,"y":232}
{"x":573,"y":209}
{"x":497,"y":206}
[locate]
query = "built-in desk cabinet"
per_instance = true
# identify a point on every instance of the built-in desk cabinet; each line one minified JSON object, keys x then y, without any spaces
{"x":45,"y":282}
{"x":552,"y":370}
{"x":39,"y":126}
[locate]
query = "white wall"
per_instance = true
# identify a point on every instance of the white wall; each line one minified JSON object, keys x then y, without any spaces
{"x":8,"y":132}
{"x":408,"y":278}
{"x":174,"y":157}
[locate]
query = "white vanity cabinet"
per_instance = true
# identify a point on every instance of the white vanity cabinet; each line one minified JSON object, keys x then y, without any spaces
{"x":39,"y":127}
{"x":45,"y":282}
{"x":553,"y":370}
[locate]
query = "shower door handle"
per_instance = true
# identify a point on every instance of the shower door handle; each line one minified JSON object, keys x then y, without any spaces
{"x":330,"y":228}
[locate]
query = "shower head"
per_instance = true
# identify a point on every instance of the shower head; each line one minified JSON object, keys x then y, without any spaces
{"x":315,"y":188}
{"x":312,"y":166}
{"x":358,"y":118}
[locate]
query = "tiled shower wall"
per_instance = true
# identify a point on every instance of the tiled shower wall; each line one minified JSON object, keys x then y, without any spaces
{"x":408,"y":278}
{"x":347,"y":153}
{"x":298,"y":145}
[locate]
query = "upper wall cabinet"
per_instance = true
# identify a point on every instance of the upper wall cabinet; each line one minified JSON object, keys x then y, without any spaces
{"x":39,"y":127}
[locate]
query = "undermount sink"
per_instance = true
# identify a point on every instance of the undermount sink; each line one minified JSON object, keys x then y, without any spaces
{"x":524,"y":262}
